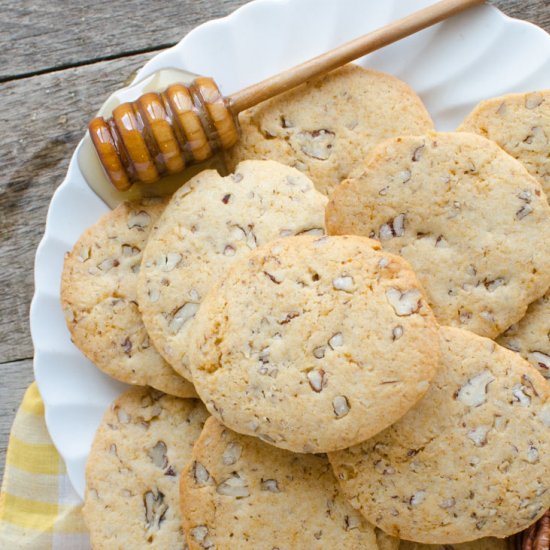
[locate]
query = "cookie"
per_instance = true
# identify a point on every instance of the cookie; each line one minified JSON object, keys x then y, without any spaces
{"x":132,"y":475}
{"x":328,"y":125}
{"x":471,"y":460}
{"x":208,"y":225}
{"x":314,"y":344}
{"x":99,"y":299}
{"x":520,"y":124}
{"x":482,"y":544}
{"x":239,"y":493}
{"x":468,"y":217}
{"x":531,"y":336}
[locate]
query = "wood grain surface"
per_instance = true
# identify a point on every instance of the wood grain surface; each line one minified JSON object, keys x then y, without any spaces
{"x":59,"y":59}
{"x":39,"y":36}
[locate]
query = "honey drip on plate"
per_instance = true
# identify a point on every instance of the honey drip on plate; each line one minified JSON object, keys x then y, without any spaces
{"x":90,"y":165}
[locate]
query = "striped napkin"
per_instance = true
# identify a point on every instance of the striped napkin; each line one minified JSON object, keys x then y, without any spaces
{"x":39,"y":509}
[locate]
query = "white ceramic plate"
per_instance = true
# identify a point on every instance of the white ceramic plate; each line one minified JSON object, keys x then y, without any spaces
{"x":473,"y":56}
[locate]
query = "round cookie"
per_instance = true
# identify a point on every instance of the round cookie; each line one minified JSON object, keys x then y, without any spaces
{"x":468,"y":217}
{"x":471,"y":460}
{"x":132,"y":474}
{"x":531,"y":336}
{"x":99,"y":299}
{"x":520,"y":124}
{"x":314,"y":344}
{"x":328,"y":125}
{"x":239,"y":493}
{"x":208,"y":225}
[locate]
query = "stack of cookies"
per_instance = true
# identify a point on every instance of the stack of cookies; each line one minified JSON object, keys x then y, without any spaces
{"x":319,"y":339}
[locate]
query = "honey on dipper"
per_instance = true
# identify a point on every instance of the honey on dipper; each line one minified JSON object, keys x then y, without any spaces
{"x":162,"y":133}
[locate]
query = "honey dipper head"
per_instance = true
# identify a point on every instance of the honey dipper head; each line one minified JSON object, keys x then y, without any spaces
{"x":161,"y":133}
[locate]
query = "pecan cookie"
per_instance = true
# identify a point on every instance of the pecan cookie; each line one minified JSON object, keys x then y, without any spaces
{"x":520,"y":124}
{"x":471,"y":460}
{"x":531,"y":336}
{"x":99,"y":299}
{"x":239,"y":493}
{"x":209,"y":224}
{"x":132,"y":475}
{"x":314,"y":344}
{"x":469,"y":218}
{"x":328,"y":125}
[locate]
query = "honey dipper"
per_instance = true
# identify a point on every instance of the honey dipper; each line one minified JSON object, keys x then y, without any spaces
{"x":161,"y":133}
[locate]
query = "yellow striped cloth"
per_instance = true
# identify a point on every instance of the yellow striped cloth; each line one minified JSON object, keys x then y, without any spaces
{"x":39,"y":509}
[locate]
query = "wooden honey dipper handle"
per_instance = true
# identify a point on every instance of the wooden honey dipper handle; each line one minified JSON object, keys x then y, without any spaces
{"x":162,"y":133}
{"x":347,"y":52}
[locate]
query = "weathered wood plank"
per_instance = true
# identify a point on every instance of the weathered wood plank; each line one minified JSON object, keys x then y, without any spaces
{"x":40,"y":35}
{"x":535,"y":11}
{"x":16,"y":377}
{"x":42,"y":120}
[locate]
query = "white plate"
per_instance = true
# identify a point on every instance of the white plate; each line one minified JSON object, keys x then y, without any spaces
{"x":476,"y":55}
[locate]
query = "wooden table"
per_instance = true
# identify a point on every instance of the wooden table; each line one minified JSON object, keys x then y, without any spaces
{"x":59,"y":59}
